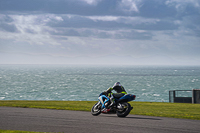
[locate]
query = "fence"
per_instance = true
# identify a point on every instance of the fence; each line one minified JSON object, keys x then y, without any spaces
{"x":184,"y":96}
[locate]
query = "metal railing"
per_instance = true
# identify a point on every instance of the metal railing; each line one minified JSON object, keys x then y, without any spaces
{"x":184,"y":96}
{"x":180,"y":96}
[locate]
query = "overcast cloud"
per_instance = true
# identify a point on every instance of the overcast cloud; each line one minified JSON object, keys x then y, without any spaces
{"x":135,"y":32}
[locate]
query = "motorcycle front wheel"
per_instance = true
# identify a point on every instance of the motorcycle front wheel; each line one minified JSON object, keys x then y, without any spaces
{"x":125,"y":110}
{"x":96,"y":109}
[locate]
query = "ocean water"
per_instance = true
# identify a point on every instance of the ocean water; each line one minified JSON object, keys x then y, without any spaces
{"x":85,"y":82}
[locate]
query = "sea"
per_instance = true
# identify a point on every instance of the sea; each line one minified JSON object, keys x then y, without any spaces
{"x":86,"y":82}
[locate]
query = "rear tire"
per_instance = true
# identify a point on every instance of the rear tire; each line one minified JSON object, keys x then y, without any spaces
{"x":96,"y":109}
{"x":125,"y":110}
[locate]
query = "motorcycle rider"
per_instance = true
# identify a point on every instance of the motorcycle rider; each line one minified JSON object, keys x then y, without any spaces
{"x":120,"y":92}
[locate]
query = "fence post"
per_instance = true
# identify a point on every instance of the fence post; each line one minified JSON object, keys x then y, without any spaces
{"x":196,"y":96}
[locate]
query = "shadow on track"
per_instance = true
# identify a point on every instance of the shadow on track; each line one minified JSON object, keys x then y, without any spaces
{"x":131,"y":117}
{"x":143,"y":118}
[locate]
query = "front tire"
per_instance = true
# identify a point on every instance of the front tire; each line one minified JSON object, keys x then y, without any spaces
{"x":96,"y":109}
{"x":126,"y":108}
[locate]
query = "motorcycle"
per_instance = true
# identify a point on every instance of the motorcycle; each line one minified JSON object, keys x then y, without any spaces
{"x":122,"y":107}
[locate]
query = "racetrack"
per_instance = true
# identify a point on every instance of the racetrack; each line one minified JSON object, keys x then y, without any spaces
{"x":47,"y":120}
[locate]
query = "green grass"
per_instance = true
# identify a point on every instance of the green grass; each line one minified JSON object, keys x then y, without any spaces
{"x":16,"y":131}
{"x":61,"y":105}
{"x":173,"y":110}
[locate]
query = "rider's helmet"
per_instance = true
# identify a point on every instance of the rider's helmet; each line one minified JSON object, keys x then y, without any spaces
{"x":117,"y":84}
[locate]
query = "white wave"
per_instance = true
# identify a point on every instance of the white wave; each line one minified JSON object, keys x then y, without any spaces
{"x":157,"y":95}
{"x":79,"y":84}
{"x":1,"y":98}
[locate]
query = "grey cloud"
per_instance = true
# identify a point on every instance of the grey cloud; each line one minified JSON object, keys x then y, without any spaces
{"x":146,"y":8}
{"x":134,"y":35}
{"x":59,"y":6}
{"x":167,"y":11}
{"x":95,"y":33}
{"x":161,"y":25}
{"x":6,"y":19}
{"x":89,"y":33}
{"x":96,"y":28}
{"x":32,"y":31}
{"x":80,"y":26}
{"x":22,"y":5}
{"x":128,"y":34}
{"x":63,"y":32}
{"x":197,"y":32}
{"x":8,"y":27}
{"x":120,"y":22}
{"x":156,"y":9}
{"x":6,"y":24}
{"x":191,"y":23}
{"x":186,"y":7}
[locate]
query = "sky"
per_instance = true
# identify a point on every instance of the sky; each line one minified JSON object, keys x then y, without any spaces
{"x":115,"y":32}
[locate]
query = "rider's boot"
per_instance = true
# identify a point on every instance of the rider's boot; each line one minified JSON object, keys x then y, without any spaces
{"x":112,"y":100}
{"x":119,"y":106}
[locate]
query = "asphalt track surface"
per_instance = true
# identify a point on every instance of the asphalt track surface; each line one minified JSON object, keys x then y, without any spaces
{"x":47,"y":120}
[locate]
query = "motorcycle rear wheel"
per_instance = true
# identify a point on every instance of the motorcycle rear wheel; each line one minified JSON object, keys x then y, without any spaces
{"x":96,"y":109}
{"x":125,"y":110}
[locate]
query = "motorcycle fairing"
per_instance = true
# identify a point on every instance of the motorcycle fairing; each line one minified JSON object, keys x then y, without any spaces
{"x":127,"y":98}
{"x":101,"y":99}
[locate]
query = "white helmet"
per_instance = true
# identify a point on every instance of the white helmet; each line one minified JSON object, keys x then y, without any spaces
{"x":117,"y":84}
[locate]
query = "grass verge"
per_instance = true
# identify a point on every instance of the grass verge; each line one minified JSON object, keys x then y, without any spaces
{"x":173,"y":110}
{"x":16,"y":131}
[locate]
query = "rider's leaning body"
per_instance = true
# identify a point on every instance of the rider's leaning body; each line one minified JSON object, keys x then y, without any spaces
{"x":119,"y":89}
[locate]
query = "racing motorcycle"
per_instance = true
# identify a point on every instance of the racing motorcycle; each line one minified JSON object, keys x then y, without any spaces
{"x":122,"y":107}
